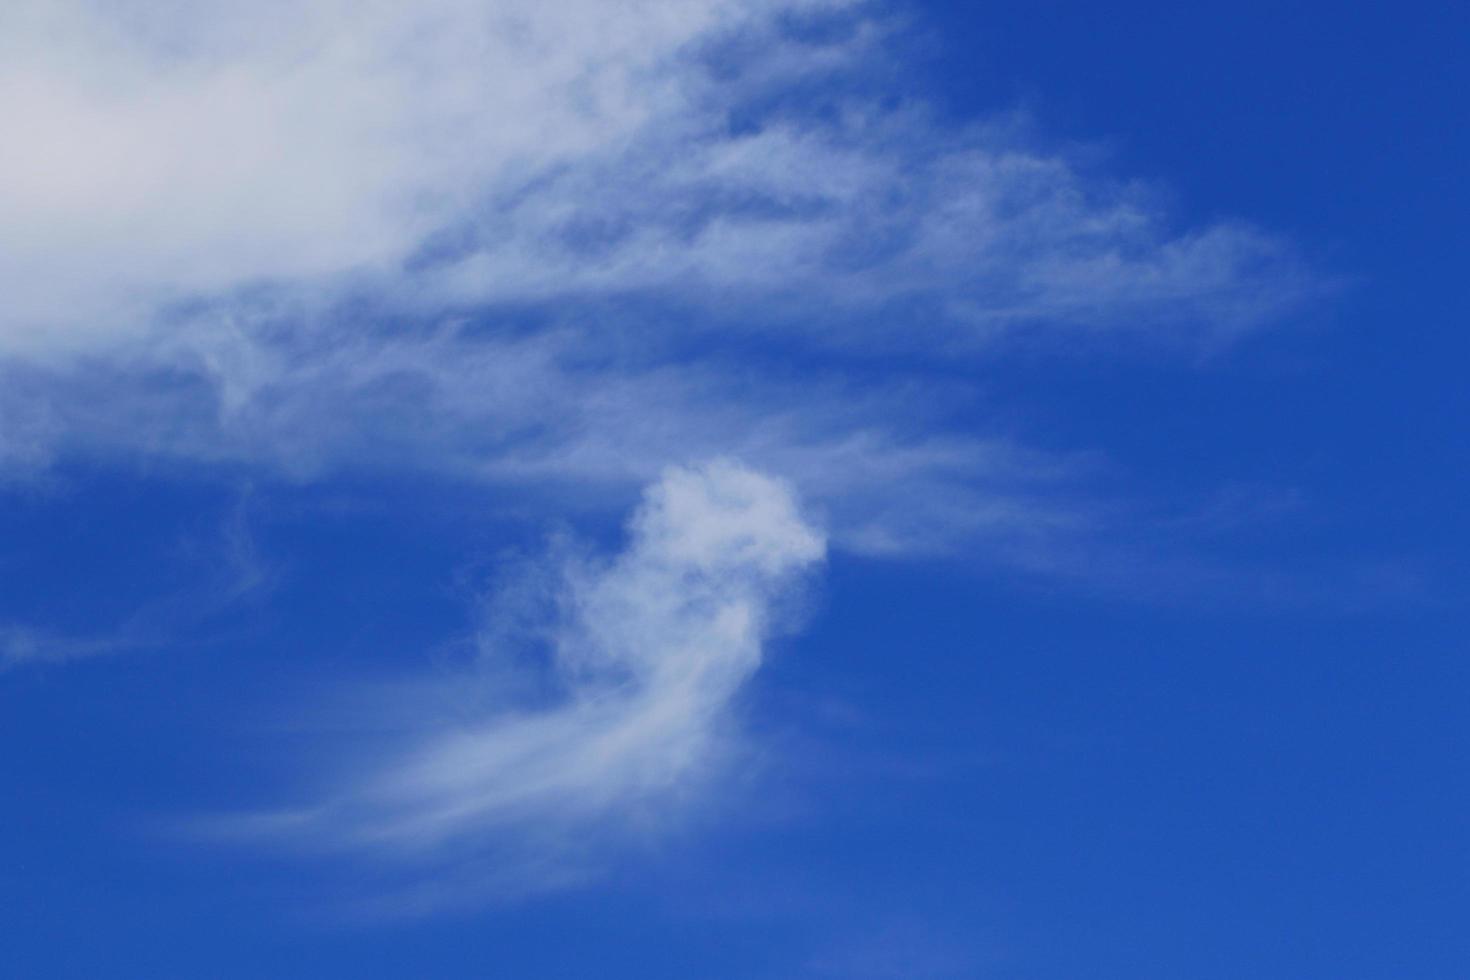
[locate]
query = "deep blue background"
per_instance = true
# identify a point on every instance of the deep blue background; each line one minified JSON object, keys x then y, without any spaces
{"x":1259,"y":773}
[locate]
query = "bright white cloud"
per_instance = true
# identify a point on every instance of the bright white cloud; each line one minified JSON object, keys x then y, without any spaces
{"x":497,"y":239}
{"x":647,"y":652}
{"x":162,"y":151}
{"x":514,"y":151}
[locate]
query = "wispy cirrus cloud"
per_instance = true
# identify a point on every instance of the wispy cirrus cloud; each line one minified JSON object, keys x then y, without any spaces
{"x":521,"y":241}
{"x":493,"y":152}
{"x":30,"y":645}
{"x":640,"y":658}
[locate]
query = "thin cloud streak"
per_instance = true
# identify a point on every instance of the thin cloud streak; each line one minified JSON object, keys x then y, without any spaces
{"x":545,"y":411}
{"x":228,"y":573}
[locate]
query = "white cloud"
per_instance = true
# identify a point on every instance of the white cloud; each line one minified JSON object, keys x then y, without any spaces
{"x":844,"y":231}
{"x":161,"y":151}
{"x":647,"y":651}
{"x":549,"y":412}
{"x":513,"y":151}
{"x":502,"y":239}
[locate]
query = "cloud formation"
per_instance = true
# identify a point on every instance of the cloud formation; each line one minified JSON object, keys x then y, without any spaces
{"x":166,"y":152}
{"x":514,"y":240}
{"x":561,"y":247}
{"x":461,"y":151}
{"x":644,"y":655}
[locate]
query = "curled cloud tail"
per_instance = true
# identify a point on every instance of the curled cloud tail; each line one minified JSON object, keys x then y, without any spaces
{"x":648,"y":650}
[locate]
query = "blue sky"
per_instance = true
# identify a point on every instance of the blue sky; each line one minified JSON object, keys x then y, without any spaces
{"x":733,"y":488}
